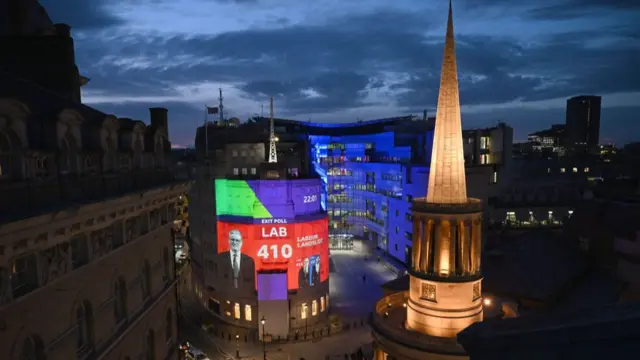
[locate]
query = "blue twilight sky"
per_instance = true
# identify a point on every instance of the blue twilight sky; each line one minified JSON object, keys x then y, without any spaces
{"x":344,"y":60}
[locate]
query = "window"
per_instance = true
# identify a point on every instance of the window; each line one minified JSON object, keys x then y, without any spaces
{"x":586,"y":169}
{"x":234,"y":153}
{"x":168,"y":330}
{"x":247,"y":312}
{"x":32,"y":348}
{"x":150,"y":351}
{"x":396,"y":247}
{"x":24,"y":275}
{"x":303,"y":309}
{"x":84,"y":319}
{"x":494,"y":179}
{"x":5,"y":155}
{"x":253,"y":171}
{"x":244,"y":171}
{"x":327,"y":296}
{"x":322,"y":304}
{"x":562,"y":170}
{"x":145,"y":280}
{"x":314,"y":308}
{"x":235,"y":171}
{"x":236,"y":311}
{"x":575,"y":169}
{"x":397,"y":212}
{"x":485,"y":142}
{"x":79,"y":251}
{"x":484,"y":159}
{"x":119,"y":299}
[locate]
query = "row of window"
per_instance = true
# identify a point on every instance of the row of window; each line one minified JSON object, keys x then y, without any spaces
{"x":304,"y":309}
{"x":24,"y":271}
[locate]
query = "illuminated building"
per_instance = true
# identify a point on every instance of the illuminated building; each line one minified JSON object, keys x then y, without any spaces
{"x":258,"y":234}
{"x":445,"y":293}
{"x":87,"y":202}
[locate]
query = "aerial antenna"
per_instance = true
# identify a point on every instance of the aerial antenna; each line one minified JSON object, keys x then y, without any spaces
{"x":273,"y":154}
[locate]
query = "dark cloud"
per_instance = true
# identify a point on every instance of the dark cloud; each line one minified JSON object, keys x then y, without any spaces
{"x":328,"y":91}
{"x":81,"y":14}
{"x":342,"y":59}
{"x":557,"y":9}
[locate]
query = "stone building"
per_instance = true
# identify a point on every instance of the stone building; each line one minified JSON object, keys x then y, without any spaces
{"x":87,"y":202}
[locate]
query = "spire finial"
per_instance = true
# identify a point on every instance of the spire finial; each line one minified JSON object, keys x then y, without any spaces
{"x":447,"y":181}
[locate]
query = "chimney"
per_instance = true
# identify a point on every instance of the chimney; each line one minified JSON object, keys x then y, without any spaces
{"x":160,"y":119}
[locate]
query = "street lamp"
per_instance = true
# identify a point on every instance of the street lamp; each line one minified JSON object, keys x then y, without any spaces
{"x":264,"y":344}
{"x":237,"y":346}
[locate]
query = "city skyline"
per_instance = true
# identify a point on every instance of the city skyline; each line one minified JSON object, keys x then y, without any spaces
{"x":340,"y":61}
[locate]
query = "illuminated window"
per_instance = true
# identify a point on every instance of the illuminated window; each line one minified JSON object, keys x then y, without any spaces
{"x":244,"y":171}
{"x":236,"y":311}
{"x":575,"y":169}
{"x":586,"y":169}
{"x":247,"y":312}
{"x":314,"y":308}
{"x":495,"y":177}
{"x":484,"y":159}
{"x":562,"y":170}
{"x":303,"y":309}
{"x":322,"y":304}
{"x":253,"y":171}
{"x":235,"y":171}
{"x":548,"y":170}
{"x":484,"y":142}
{"x":234,"y":153}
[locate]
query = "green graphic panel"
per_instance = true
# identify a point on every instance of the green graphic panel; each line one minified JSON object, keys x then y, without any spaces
{"x":236,"y":198}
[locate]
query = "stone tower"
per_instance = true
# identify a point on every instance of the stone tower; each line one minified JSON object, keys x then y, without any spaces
{"x":445,"y":279}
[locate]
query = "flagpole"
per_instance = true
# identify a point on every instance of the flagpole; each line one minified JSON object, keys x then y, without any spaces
{"x":206,"y":133}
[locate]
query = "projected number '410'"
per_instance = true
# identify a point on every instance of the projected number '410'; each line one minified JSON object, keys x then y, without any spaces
{"x":275,"y":251}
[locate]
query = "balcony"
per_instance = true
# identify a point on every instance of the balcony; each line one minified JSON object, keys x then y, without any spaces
{"x":388,"y":325}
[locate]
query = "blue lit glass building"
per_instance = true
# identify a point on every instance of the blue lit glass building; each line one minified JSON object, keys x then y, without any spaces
{"x":372,"y":169}
{"x":370,"y":180}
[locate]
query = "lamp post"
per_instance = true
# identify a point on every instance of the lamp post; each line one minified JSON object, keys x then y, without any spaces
{"x":264,"y":344}
{"x":237,"y":347}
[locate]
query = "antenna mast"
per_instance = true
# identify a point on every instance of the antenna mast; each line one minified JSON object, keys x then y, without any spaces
{"x":221,"y":107}
{"x":273,"y":155}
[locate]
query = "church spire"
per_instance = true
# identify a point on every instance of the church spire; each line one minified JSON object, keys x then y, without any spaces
{"x":447,"y":182}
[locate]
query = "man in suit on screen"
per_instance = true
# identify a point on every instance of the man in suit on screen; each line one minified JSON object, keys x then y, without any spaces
{"x":309,"y":273}
{"x":303,"y":274}
{"x":236,"y":268}
{"x":315,"y":276}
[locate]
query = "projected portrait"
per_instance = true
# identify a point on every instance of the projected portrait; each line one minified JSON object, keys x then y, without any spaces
{"x":309,"y":273}
{"x":236,"y":268}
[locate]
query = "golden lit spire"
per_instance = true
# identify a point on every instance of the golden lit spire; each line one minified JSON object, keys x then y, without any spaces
{"x":447,"y":182}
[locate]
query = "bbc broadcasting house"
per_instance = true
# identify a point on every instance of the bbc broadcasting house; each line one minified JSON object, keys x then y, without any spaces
{"x":369,"y":171}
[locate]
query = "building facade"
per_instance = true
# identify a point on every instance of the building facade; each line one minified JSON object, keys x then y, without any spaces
{"x":583,"y":123}
{"x":231,"y":160}
{"x":87,"y":202}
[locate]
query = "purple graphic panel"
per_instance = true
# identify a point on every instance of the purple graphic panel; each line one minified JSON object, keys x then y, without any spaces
{"x":288,"y":198}
{"x":272,"y":286}
{"x":306,"y":196}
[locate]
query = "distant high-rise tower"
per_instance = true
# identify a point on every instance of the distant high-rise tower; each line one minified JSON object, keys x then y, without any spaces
{"x":445,"y":294}
{"x":583,"y":123}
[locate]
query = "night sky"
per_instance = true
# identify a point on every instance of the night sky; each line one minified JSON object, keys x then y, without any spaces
{"x":345,"y":60}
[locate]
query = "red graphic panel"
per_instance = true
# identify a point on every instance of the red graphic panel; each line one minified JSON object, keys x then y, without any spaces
{"x":302,"y":249}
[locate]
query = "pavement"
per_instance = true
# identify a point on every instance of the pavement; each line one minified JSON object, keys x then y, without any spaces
{"x":350,"y":298}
